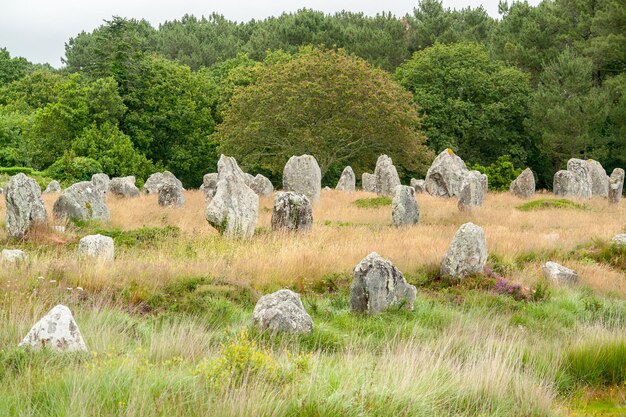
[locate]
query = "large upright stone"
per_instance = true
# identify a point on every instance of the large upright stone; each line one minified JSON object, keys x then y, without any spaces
{"x":13,"y":256}
{"x":467,"y":253}
{"x":559,"y":274}
{"x":472,"y":191}
{"x":445,"y":176}
{"x":347,"y":181}
{"x":377,"y":285}
{"x":418,"y":185}
{"x":292,"y":212}
{"x":616,"y":186}
{"x":227,"y":165}
{"x":153,"y":183}
{"x":124,"y":187}
{"x":599,"y":179}
{"x":302,"y":175}
{"x":97,"y":247}
{"x":101,"y":182}
{"x":387,"y":178}
{"x":171,"y":193}
{"x":81,"y":201}
{"x":404,"y":208}
{"x":575,"y":182}
{"x":524,"y":185}
{"x":262,"y":185}
{"x":57,"y":330}
{"x":234,"y":210}
{"x":53,"y":187}
{"x":368,"y":182}
{"x":209,"y":184}
{"x":24,"y":205}
{"x":282,"y":311}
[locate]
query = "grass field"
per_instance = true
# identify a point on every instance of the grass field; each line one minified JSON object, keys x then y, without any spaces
{"x":168,"y":322}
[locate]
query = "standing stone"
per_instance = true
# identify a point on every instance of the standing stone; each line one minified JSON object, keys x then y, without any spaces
{"x":282,"y":311}
{"x":153,"y":183}
{"x":616,"y":186}
{"x":599,"y":179}
{"x":387,"y":178}
{"x":209,"y":184}
{"x":347,"y":181}
{"x":467,"y":253}
{"x":234,"y":210}
{"x":171,"y":193}
{"x":227,"y":165}
{"x":404,"y":208}
{"x":618,"y":240}
{"x":53,"y":187}
{"x":13,"y":256}
{"x":368,"y":182}
{"x":575,"y":182}
{"x":24,"y":205}
{"x":292,"y":212}
{"x":97,"y":247}
{"x":445,"y":176}
{"x":57,"y":330}
{"x":484,"y":182}
{"x":262,"y":185}
{"x":559,"y":274}
{"x":418,"y":185}
{"x":81,"y":201}
{"x":377,"y":285}
{"x":124,"y":187}
{"x":524,"y":185}
{"x":302,"y":175}
{"x":472,"y":191}
{"x":101,"y":182}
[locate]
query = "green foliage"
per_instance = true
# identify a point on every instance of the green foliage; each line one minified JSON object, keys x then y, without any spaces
{"x":144,"y":237}
{"x":500,"y":174}
{"x":12,"y":69}
{"x":70,"y":169}
{"x":551,"y":203}
{"x":374,"y":202}
{"x":595,"y":362}
{"x":325,"y":103}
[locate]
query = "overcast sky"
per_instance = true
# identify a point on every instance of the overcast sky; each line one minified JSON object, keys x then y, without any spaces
{"x":38,"y":29}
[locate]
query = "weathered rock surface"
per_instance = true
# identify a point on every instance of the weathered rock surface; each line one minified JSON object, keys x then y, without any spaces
{"x":53,"y":187}
{"x":97,"y":247}
{"x":124,"y":187}
{"x":57,"y":330}
{"x":619,"y":240}
{"x":282,"y":311}
{"x":467,"y":253}
{"x":13,"y":256}
{"x":616,"y":186}
{"x":472,"y":192}
{"x":559,"y":274}
{"x":292,"y":212}
{"x":101,"y":182}
{"x":209,"y":184}
{"x":445,"y":176}
{"x":368,"y":182}
{"x":153,"y":183}
{"x":524,"y":185}
{"x":347,"y":181}
{"x":377,"y":285}
{"x":387,"y":178}
{"x":227,"y":165}
{"x":262,"y":185}
{"x":171,"y":192}
{"x":575,"y":182}
{"x":234,"y":210}
{"x":81,"y":201}
{"x":404,"y":208}
{"x":302,"y":175}
{"x":418,"y":185}
{"x":599,"y":179}
{"x":24,"y":206}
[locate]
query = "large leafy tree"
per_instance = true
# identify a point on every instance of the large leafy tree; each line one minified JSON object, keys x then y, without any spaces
{"x":471,"y":103}
{"x":327,"y":103}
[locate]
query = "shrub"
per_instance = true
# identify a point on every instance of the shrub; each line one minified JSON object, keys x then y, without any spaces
{"x":551,"y":203}
{"x":71,"y":169}
{"x":501,"y":173}
{"x":373,"y":202}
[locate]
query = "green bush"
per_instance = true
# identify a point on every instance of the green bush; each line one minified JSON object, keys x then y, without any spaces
{"x":70,"y":169}
{"x":16,"y":170}
{"x":551,"y":203}
{"x":500,"y":174}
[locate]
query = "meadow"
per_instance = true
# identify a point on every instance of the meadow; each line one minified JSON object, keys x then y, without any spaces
{"x":168,"y":323}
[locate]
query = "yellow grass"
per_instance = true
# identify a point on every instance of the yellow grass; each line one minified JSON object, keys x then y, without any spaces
{"x":342,"y":235}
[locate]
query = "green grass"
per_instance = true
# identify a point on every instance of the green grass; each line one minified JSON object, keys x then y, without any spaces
{"x":142,"y":237}
{"x":374,"y":202}
{"x":551,"y":203}
{"x":596,"y":363}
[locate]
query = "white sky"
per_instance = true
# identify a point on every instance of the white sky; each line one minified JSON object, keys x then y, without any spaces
{"x":38,"y":29}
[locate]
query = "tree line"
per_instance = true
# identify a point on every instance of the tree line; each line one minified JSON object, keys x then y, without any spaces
{"x":539,"y":85}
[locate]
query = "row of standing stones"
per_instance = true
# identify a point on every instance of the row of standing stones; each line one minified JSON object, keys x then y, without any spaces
{"x":233,"y":201}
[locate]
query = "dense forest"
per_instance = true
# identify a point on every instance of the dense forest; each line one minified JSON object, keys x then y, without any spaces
{"x":533,"y":88}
